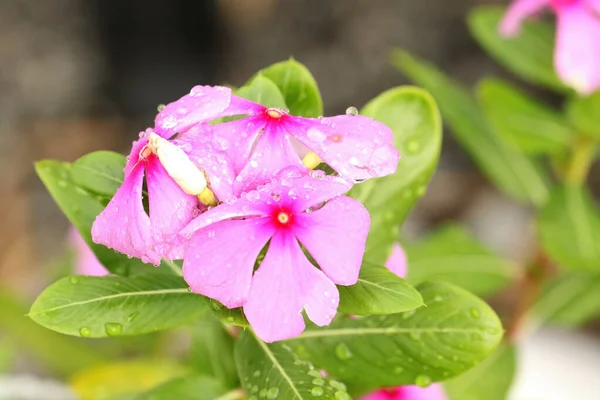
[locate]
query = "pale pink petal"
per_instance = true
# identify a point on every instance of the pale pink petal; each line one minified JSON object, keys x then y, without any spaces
{"x":86,"y":262}
{"x":171,"y":209}
{"x":203,"y":104}
{"x":216,"y":165}
{"x":237,"y":138}
{"x":335,"y":236}
{"x":272,"y":153}
{"x":357,"y":147}
{"x":284,"y":284}
{"x":124,"y":225}
{"x":593,"y":5}
{"x":432,"y":392}
{"x":397,"y":262}
{"x":517,"y":12}
{"x":219,"y":259}
{"x":577,"y":52}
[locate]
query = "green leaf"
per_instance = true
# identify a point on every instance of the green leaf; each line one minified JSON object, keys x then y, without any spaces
{"x":413,"y":116}
{"x":584,"y":114}
{"x":572,"y":299}
{"x":298,"y":86}
{"x":113,"y":306}
{"x":454,"y":332}
{"x":532,"y":126}
{"x":81,"y":208}
{"x":275,"y":371}
{"x":453,"y":255}
{"x":569,"y":229}
{"x":60,"y":354}
{"x":263,"y":91}
{"x":100,"y":172}
{"x":529,"y":54}
{"x":197,"y":387}
{"x":229,"y":316}
{"x":378,"y":291}
{"x":490,"y":380}
{"x":513,"y":173}
{"x":211,"y":352}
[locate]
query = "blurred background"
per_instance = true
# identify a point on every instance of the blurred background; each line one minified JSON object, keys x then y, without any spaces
{"x":78,"y":76}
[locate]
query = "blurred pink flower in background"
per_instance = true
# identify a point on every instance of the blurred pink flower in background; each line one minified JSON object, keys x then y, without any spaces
{"x":577,"y":48}
{"x":397,"y":263}
{"x":86,"y":262}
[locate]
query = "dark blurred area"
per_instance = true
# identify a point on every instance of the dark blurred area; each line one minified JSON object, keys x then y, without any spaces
{"x":79,"y":76}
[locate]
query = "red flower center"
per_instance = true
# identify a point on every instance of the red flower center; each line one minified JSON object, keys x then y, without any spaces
{"x":557,"y":4}
{"x":282,"y":218}
{"x":275,"y":113}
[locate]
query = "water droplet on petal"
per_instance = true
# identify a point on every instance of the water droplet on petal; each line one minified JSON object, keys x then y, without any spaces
{"x":316,"y":135}
{"x":352,"y":111}
{"x":113,"y":328}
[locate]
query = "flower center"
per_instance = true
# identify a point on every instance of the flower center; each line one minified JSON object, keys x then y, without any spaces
{"x":145,"y":152}
{"x":275,"y":113}
{"x":283,"y":218}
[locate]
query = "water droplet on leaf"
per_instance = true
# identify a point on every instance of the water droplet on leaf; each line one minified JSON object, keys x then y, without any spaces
{"x":422,"y":381}
{"x":113,"y":328}
{"x":272,"y":393}
{"x":85,"y":332}
{"x":317,"y":391}
{"x":343,"y":352}
{"x":475,"y":313}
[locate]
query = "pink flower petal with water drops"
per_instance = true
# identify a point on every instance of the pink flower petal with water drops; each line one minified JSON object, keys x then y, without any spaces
{"x":432,"y":392}
{"x":517,"y":12}
{"x":272,"y":153}
{"x":219,"y":259}
{"x":577,"y":52}
{"x":86,"y":262}
{"x":357,"y":147}
{"x":343,"y":223}
{"x":124,"y":225}
{"x":284,"y":284}
{"x":237,"y":138}
{"x":397,"y":262}
{"x":171,"y":209}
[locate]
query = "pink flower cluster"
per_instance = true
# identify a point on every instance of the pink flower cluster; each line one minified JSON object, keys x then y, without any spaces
{"x":231,"y":189}
{"x":577,"y":51}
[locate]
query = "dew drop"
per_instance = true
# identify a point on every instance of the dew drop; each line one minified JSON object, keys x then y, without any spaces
{"x":398,"y":370}
{"x":315,"y":135}
{"x":113,"y":328}
{"x":318,"y":381}
{"x":352,"y":111}
{"x":252,"y":398}
{"x":317,"y":391}
{"x":415,"y":336}
{"x":254,"y":389}
{"x":340,"y":395}
{"x":475,"y":313}
{"x":343,"y":352}
{"x":337,"y":385}
{"x":160,"y":107}
{"x":256,"y":374}
{"x":62,"y":184}
{"x":420,"y":191}
{"x":263,"y":393}
{"x":314,"y":373}
{"x":85,"y":331}
{"x":74,"y":280}
{"x":272,"y":393}
{"x":413,"y":146}
{"x":132,"y":316}
{"x":422,"y":381}
{"x":230,"y":319}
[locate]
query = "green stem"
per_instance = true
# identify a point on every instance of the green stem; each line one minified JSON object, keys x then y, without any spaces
{"x":578,"y":168}
{"x":235,"y":394}
{"x":173,"y":267}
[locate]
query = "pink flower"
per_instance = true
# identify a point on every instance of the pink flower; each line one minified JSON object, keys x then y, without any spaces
{"x":397,"y":262}
{"x":173,"y":184}
{"x":225,"y":242}
{"x":86,"y":262}
{"x":270,"y":139}
{"x":433,"y":392}
{"x":577,"y":52}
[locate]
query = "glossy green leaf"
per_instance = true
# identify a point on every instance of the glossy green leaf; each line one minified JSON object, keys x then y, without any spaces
{"x":454,"y":332}
{"x":100,"y":172}
{"x":530,"y":125}
{"x":378,"y":291}
{"x":274,"y":371}
{"x":262,"y":90}
{"x":229,"y":316}
{"x":197,"y":387}
{"x":490,"y":380}
{"x":572,"y":299}
{"x":81,"y":208}
{"x":298,"y":86}
{"x":529,"y":54}
{"x":453,"y":255}
{"x":113,"y":306}
{"x":211,"y":352}
{"x":59,"y":354}
{"x":584,"y":114}
{"x":413,"y":116}
{"x":511,"y":171}
{"x":569,"y":229}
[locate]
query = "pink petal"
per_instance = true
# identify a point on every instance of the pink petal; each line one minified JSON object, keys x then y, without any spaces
{"x":284,"y":284}
{"x":171,"y":209}
{"x":335,"y":236}
{"x":432,"y":392}
{"x":517,"y":12}
{"x":124,"y":225}
{"x":357,"y":147}
{"x":219,"y":259}
{"x":577,"y":52}
{"x":216,"y":165}
{"x":237,"y":138}
{"x":86,"y":262}
{"x":397,"y":262}
{"x":593,"y":5}
{"x":272,"y":153}
{"x":203,"y":104}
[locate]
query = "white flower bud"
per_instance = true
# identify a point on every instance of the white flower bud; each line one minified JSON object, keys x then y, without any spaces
{"x":178,"y":165}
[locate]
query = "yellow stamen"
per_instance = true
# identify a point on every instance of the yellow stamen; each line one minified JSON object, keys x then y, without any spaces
{"x":208,"y":198}
{"x":311,"y":160}
{"x":274,"y":113}
{"x":283,"y":218}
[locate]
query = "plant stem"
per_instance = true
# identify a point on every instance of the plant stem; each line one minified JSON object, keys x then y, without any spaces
{"x":577,"y":170}
{"x":173,"y":267}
